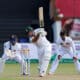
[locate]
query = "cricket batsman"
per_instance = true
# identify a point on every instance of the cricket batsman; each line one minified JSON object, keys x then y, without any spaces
{"x":65,"y":45}
{"x":12,"y":50}
{"x":44,"y":49}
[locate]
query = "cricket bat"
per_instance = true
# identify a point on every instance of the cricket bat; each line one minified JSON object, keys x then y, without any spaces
{"x":41,"y":17}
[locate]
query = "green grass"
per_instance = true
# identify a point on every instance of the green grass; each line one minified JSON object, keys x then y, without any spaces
{"x":65,"y":70}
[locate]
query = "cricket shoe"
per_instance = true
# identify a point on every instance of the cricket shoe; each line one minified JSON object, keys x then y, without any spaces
{"x":25,"y":74}
{"x":41,"y":75}
{"x":50,"y":73}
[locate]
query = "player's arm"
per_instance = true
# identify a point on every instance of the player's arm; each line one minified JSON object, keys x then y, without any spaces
{"x":35,"y":38}
{"x":6,"y":47}
{"x":7,"y":51}
{"x":37,"y":33}
{"x":73,"y":46}
{"x":58,"y":46}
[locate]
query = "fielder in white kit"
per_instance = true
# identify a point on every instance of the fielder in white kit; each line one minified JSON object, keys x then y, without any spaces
{"x":44,"y":49}
{"x":12,"y":50}
{"x":65,"y":45}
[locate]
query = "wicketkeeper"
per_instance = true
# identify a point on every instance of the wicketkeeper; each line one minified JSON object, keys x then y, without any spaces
{"x":12,"y":50}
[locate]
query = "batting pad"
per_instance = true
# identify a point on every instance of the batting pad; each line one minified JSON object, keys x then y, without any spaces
{"x":2,"y":64}
{"x":77,"y":65}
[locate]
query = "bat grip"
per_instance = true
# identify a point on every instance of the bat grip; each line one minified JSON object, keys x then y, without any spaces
{"x":41,"y":23}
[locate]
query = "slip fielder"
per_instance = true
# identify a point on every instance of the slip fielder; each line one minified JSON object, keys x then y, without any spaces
{"x":65,"y":45}
{"x":12,"y":50}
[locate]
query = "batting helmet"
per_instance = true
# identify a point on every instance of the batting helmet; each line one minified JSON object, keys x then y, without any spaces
{"x":29,"y":28}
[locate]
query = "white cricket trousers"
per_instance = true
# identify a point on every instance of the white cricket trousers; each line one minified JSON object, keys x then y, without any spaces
{"x":44,"y":55}
{"x":55,"y":63}
{"x":19,"y":59}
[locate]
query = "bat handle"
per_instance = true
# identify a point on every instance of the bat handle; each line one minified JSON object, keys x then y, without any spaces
{"x":41,"y":23}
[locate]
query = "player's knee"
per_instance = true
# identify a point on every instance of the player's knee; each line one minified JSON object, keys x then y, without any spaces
{"x":75,"y":58}
{"x":59,"y":57}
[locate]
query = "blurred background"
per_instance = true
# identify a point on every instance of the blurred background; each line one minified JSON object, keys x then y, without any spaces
{"x":16,"y":15}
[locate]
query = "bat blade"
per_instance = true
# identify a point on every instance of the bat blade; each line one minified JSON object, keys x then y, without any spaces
{"x":41,"y":17}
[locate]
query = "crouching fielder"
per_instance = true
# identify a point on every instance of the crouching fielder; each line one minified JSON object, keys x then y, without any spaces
{"x":65,"y":46}
{"x":12,"y":50}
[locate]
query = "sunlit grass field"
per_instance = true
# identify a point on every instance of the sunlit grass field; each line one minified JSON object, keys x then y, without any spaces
{"x":65,"y":71}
